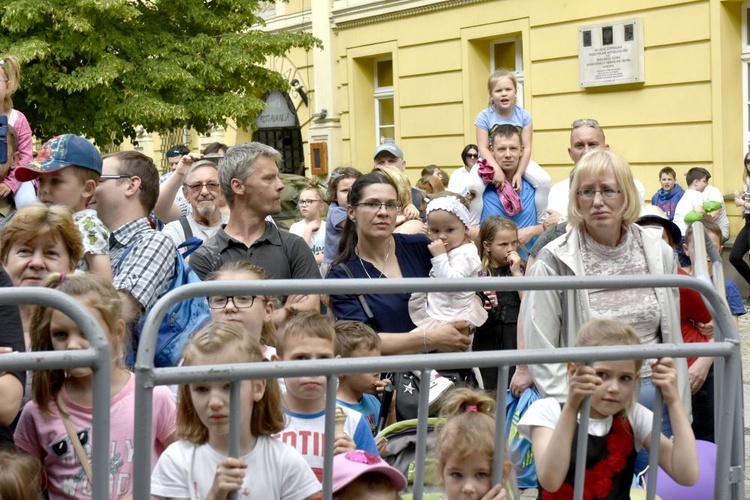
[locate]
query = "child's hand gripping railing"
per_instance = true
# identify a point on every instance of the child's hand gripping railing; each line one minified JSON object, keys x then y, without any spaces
{"x":97,"y":357}
{"x":728,"y":484}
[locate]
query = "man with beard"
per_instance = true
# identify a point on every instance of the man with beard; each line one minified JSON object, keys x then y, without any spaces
{"x":201,"y":188}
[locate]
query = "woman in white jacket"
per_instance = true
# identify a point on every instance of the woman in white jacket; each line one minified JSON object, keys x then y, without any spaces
{"x":604,"y":241}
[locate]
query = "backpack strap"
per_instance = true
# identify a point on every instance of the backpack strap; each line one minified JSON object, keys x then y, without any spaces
{"x":360,"y":297}
{"x":185,"y":223}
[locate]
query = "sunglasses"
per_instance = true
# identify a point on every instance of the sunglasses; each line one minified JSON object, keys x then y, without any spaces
{"x":469,"y":155}
{"x":588,"y":122}
{"x":747,"y":161}
{"x":173,"y":153}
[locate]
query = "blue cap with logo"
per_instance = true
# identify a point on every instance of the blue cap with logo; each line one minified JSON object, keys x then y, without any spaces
{"x":60,"y":152}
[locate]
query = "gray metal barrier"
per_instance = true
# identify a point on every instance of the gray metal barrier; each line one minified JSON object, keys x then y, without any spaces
{"x":730,"y":446}
{"x":96,"y":357}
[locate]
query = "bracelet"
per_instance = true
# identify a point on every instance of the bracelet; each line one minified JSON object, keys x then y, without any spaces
{"x":424,"y":339}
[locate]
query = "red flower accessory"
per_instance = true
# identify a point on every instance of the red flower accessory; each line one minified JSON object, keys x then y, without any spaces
{"x":598,"y":480}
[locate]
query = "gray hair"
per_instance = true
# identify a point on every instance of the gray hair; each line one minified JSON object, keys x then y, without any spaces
{"x":195,"y":166}
{"x":238,"y":164}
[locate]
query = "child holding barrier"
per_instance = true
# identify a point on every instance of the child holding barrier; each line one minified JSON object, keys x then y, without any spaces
{"x":618,"y":425}
{"x":198,"y":466}
{"x":56,"y":425}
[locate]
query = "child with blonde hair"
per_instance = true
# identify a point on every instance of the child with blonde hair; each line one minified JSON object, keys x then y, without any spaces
{"x":465,"y":448}
{"x":23,"y":193}
{"x":502,"y":86}
{"x":62,"y":399}
{"x":618,"y":425}
{"x":21,"y":475}
{"x":198,"y":466}
{"x":312,"y":227}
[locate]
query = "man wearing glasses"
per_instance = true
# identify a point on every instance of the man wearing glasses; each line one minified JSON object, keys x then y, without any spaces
{"x":201,"y":188}
{"x":249,"y":179}
{"x":142,"y":259}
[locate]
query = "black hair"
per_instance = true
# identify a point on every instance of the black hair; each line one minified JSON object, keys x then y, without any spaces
{"x":349,"y":235}
{"x":465,"y":152}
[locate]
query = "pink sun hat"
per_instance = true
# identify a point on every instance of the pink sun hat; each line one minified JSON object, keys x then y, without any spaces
{"x":349,"y":466}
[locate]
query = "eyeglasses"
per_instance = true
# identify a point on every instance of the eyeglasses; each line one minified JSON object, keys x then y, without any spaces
{"x":197,"y":187}
{"x":588,"y":122}
{"x":239,"y":301}
{"x":588,"y":194}
{"x":470,"y":155}
{"x":305,"y":203}
{"x":106,"y":177}
{"x":376,"y":206}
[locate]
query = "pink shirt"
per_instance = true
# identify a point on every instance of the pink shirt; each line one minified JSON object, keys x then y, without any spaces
{"x":23,"y":131}
{"x":44,"y":436}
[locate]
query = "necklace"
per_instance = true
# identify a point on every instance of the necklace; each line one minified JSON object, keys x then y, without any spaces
{"x":385,"y":261}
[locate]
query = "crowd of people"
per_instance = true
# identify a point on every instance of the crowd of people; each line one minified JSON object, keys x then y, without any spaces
{"x":106,"y":230}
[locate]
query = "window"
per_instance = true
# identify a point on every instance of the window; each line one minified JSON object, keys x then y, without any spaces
{"x":385,"y":121}
{"x":746,"y":74}
{"x":507,"y":53}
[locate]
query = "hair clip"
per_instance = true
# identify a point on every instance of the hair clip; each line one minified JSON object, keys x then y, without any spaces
{"x":471,"y":408}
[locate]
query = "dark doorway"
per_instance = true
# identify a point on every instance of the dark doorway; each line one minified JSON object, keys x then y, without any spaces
{"x":278,"y":127}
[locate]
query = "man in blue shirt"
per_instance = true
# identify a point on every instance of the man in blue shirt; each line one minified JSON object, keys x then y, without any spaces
{"x":506,"y":147}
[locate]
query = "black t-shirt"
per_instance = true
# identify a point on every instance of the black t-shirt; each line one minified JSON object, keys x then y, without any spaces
{"x":11,"y":335}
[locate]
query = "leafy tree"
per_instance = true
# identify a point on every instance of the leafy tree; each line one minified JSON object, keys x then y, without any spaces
{"x":100,"y":68}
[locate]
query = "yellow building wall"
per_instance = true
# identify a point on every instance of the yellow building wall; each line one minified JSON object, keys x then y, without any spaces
{"x":687,"y":113}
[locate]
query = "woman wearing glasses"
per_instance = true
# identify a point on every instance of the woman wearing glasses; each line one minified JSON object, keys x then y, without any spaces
{"x":369,"y":249}
{"x":604,"y":241}
{"x":312,"y":227}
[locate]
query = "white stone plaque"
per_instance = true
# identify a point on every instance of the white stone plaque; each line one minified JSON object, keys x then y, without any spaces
{"x":611,"y":53}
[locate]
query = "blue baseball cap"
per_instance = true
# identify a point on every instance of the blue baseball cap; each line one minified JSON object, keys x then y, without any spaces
{"x":60,"y":152}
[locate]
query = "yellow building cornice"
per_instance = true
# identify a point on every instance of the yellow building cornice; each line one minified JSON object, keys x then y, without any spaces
{"x":363,"y":13}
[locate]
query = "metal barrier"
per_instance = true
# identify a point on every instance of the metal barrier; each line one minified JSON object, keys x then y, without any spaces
{"x":730,"y":447}
{"x":97,"y":357}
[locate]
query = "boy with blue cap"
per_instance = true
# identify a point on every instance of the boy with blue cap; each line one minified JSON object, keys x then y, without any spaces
{"x":68,"y":168}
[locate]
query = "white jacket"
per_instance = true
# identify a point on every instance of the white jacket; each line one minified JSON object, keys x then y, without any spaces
{"x":553,"y":318}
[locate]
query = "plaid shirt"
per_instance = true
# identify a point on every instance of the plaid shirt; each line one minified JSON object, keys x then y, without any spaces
{"x":147,"y":271}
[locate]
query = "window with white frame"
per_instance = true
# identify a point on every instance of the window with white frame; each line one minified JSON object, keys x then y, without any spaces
{"x":508,"y":53}
{"x":385,"y":122}
{"x":746,"y":74}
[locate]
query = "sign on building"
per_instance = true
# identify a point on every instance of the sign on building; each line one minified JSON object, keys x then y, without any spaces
{"x":611,"y":53}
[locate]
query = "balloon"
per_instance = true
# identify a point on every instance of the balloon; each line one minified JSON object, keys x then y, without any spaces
{"x":703,"y":489}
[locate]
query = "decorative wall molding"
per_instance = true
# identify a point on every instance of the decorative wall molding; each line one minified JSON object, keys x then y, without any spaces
{"x":365,"y":13}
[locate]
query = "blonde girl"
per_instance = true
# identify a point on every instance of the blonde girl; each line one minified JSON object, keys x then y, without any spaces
{"x":499,"y":254}
{"x":408,"y":220}
{"x":253,"y":312}
{"x":502,"y":87}
{"x":454,"y":255}
{"x":465,"y":448}
{"x":312,"y":227}
{"x":338,"y":190}
{"x":21,"y":475}
{"x":197,"y":466}
{"x":60,"y":395}
{"x":618,"y":426}
{"x":23,"y":193}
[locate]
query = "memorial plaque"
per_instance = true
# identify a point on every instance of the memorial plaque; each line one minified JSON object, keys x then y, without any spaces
{"x":611,"y":53}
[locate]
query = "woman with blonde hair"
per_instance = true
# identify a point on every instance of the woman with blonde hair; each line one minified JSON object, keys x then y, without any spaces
{"x":604,"y":241}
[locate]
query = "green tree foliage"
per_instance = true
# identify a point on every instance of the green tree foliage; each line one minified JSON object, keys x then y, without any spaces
{"x":100,"y":68}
